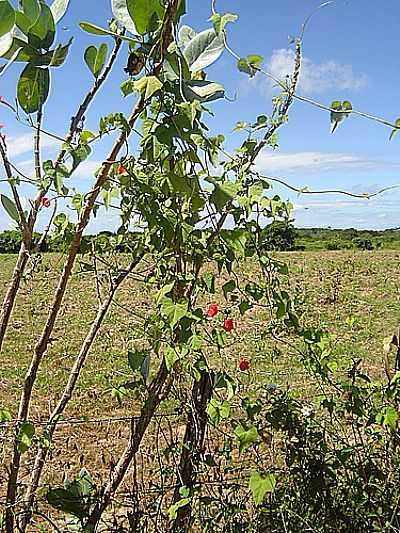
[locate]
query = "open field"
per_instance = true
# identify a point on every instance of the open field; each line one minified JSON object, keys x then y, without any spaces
{"x":354,"y":295}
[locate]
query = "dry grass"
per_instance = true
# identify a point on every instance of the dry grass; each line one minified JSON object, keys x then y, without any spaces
{"x":355,"y":295}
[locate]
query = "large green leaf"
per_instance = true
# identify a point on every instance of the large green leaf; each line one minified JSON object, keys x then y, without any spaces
{"x":148,"y":85}
{"x":43,"y":32}
{"x":10,"y":207}
{"x":95,"y":58}
{"x":204,"y":50}
{"x":29,"y":15}
{"x":143,"y":13}
{"x":25,"y":436}
{"x":173,"y":312}
{"x":67,"y":502}
{"x":121,"y":13}
{"x":58,"y":9}
{"x":261,"y":485}
{"x":139,"y":361}
{"x":33,"y":88}
{"x":246,"y":437}
{"x":7,"y":17}
{"x":223,"y":193}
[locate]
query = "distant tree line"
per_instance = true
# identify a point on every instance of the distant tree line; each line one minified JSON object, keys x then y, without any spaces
{"x":277,"y":236}
{"x":10,"y":242}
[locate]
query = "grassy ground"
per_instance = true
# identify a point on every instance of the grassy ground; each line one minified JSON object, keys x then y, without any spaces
{"x":355,"y":295}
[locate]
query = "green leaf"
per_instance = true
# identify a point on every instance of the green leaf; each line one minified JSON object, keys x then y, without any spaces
{"x":96,"y":30}
{"x":391,"y":417}
{"x":171,"y":355}
{"x":339,"y":111}
{"x":250,"y":64}
{"x":42,"y":33}
{"x":5,"y":416}
{"x":7,"y":17}
{"x":218,"y":411}
{"x":173,"y":510}
{"x":29,"y":15}
{"x":223,"y":193}
{"x":261,"y":485}
{"x":164,"y":291}
{"x":219,"y":22}
{"x":173,"y":312}
{"x":148,"y":85}
{"x":246,"y":437}
{"x":395,"y":130}
{"x":79,"y":154}
{"x":203,"y":50}
{"x":53,"y":58}
{"x":121,"y":14}
{"x":229,"y":287}
{"x":139,"y":361}
{"x":58,"y":9}
{"x":95,"y":58}
{"x":203,"y":91}
{"x":144,"y":13}
{"x":56,"y":174}
{"x":33,"y":88}
{"x":10,"y":207}
{"x":66,"y":501}
{"x":25,"y":435}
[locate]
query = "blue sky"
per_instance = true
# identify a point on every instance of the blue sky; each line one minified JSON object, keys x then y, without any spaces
{"x":350,"y":52}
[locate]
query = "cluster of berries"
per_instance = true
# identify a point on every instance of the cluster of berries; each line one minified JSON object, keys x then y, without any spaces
{"x":228,"y":325}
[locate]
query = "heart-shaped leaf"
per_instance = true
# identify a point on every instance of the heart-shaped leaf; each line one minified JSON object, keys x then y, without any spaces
{"x":95,"y":58}
{"x":261,"y":485}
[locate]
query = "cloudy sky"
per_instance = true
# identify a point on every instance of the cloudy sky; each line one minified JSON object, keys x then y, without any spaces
{"x":346,"y":56}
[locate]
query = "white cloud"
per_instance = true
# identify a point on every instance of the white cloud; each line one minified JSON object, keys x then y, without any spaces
{"x":87,"y":169}
{"x":23,"y":144}
{"x":314,"y":77}
{"x":318,"y":162}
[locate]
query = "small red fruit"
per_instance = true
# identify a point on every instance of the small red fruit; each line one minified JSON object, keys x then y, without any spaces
{"x":212,"y":310}
{"x":45,"y":202}
{"x":121,"y":170}
{"x":228,"y":324}
{"x":244,"y":364}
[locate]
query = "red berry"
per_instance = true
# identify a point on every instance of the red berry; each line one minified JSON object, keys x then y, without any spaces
{"x":244,"y":364}
{"x":228,"y":324}
{"x":45,"y":202}
{"x":212,"y":310}
{"x":121,"y":170}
